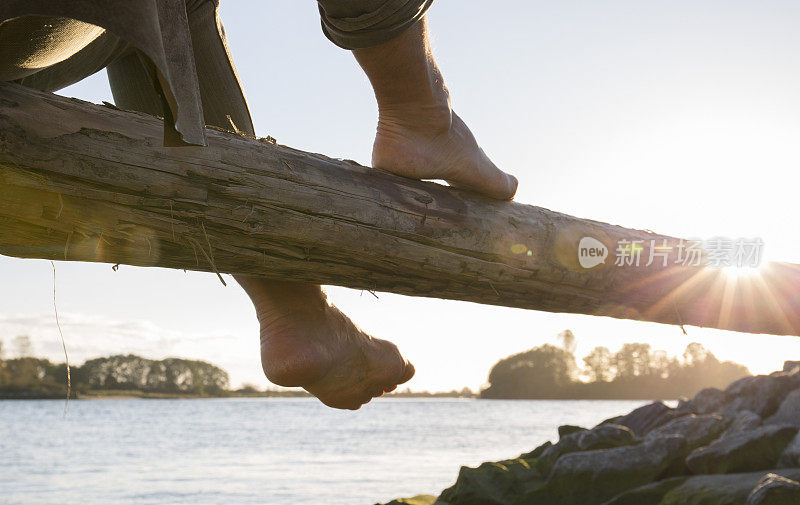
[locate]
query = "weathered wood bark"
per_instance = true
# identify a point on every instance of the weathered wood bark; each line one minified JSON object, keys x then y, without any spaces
{"x":91,"y":183}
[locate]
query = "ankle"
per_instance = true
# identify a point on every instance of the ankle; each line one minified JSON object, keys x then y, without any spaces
{"x":428,"y":98}
{"x":432,"y":117}
{"x":274,"y":300}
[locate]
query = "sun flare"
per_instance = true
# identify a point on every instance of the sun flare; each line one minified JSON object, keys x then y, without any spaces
{"x":739,"y":272}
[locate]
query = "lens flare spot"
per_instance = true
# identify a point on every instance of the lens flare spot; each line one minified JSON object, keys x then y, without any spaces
{"x":519,"y":249}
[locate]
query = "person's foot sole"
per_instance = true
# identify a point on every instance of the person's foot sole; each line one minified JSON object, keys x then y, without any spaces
{"x":315,"y":346}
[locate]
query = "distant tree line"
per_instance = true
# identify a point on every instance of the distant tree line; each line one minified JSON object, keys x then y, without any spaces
{"x":120,"y":373}
{"x":454,"y":393}
{"x":635,"y":371}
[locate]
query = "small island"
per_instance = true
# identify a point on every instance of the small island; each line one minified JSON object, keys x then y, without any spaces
{"x":634,"y":372}
{"x":27,"y":377}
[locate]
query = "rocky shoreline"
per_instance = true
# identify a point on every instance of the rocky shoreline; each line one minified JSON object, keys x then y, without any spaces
{"x":731,"y":447}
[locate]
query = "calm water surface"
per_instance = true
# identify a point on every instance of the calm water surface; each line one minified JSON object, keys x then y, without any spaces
{"x":265,"y":451}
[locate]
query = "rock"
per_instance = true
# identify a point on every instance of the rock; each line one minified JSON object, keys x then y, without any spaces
{"x":492,"y":483}
{"x":697,"y":430}
{"x":592,"y":477}
{"x":761,"y":394}
{"x":536,"y":452}
{"x":732,"y":489}
{"x":791,"y":455}
{"x":789,"y":366}
{"x":568,"y":429}
{"x":610,"y":420}
{"x":550,"y":455}
{"x":708,"y":400}
{"x":684,"y":407}
{"x":744,"y":421}
{"x":423,"y":499}
{"x":747,"y":451}
{"x":604,"y":436}
{"x":646,"y":418}
{"x":774,"y":489}
{"x":650,"y":494}
{"x":788,"y":412}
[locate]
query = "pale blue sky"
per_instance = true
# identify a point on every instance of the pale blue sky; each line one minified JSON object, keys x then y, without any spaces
{"x":677,"y":116}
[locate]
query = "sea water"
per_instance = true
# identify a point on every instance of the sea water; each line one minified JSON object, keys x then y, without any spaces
{"x":275,"y":451}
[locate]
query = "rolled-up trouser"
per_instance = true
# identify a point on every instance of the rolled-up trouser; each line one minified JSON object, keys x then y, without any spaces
{"x":50,"y":53}
{"x":356,"y":24}
{"x":78,"y":50}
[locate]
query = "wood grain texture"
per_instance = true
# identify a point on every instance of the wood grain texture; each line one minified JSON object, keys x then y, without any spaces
{"x":86,"y":182}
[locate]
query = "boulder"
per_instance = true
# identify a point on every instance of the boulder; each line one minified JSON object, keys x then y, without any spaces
{"x":708,"y":400}
{"x":789,"y":366}
{"x":684,"y":407}
{"x":611,"y":420}
{"x":604,"y":436}
{"x":592,"y":477}
{"x":791,"y":455}
{"x":744,"y":421}
{"x":644,"y":419}
{"x":788,"y":412}
{"x":568,"y":429}
{"x":550,"y":455}
{"x":697,"y":430}
{"x":761,"y":394}
{"x":748,"y":451}
{"x":536,"y":452}
{"x":774,"y":489}
{"x":731,"y":489}
{"x":649,"y":494}
{"x":492,"y":483}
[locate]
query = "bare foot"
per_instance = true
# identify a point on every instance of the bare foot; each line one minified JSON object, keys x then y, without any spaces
{"x":436,"y":144}
{"x":419,"y":136}
{"x":308,"y":343}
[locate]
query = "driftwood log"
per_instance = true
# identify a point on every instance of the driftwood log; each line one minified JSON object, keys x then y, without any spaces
{"x":85,"y":182}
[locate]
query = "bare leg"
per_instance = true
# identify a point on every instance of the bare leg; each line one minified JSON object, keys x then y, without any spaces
{"x":304,"y":340}
{"x":307,"y":342}
{"x":418,"y":133}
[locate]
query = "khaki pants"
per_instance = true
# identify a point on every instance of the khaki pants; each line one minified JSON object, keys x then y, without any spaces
{"x":131,"y":83}
{"x":48,"y":53}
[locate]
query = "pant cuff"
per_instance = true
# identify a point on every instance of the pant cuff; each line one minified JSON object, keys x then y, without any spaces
{"x":372,"y":28}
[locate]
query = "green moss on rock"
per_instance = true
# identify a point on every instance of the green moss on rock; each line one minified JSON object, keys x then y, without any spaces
{"x":650,"y":494}
{"x":493,"y":483}
{"x":422,"y":499}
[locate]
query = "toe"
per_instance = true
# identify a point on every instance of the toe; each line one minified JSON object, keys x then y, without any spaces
{"x":469,"y":167}
{"x":363,"y":401}
{"x":491,"y":182}
{"x":408,"y":373}
{"x":376,"y":391}
{"x":512,"y":183}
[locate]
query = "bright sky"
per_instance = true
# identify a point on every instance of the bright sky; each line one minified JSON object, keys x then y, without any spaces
{"x":677,"y":116}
